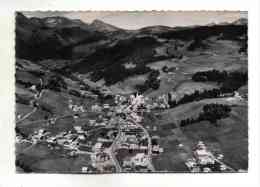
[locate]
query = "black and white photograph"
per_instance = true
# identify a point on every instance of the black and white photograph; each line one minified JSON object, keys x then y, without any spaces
{"x":106,"y":92}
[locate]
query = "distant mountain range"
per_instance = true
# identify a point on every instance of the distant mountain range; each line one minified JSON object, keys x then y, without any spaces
{"x":101,"y":48}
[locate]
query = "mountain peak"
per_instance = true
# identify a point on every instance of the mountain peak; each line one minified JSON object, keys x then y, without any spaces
{"x":102,"y":26}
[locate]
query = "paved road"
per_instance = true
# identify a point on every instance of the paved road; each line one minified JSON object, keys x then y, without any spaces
{"x":35,"y":108}
{"x":27,"y":115}
{"x":151,"y":167}
{"x":111,"y":151}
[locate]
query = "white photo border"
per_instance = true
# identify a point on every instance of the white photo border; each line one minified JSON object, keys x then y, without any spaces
{"x":7,"y":171}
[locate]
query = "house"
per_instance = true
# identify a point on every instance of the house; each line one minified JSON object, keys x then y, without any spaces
{"x":180,"y":145}
{"x":140,"y":159}
{"x":106,"y":106}
{"x":160,"y":150}
{"x":97,"y":147}
{"x":19,"y":116}
{"x":155,"y":149}
{"x":220,"y":157}
{"x":223,"y":167}
{"x":92,"y":122}
{"x":133,"y":146}
{"x":84,"y":169}
{"x":202,"y":155}
{"x":191,"y":163}
{"x":81,"y":137}
{"x":206,"y":170}
{"x":96,"y":108}
{"x":52,"y":121}
{"x":41,"y":131}
{"x":33,"y":88}
{"x":78,"y":129}
{"x":71,"y":106}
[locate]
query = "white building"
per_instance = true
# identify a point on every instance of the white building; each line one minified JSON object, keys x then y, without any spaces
{"x":140,"y":159}
{"x":84,"y":169}
{"x":96,"y":108}
{"x":98,"y":146}
{"x":78,"y":129}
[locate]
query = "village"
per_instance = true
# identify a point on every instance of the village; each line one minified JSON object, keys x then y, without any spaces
{"x":205,"y":161}
{"x":122,"y":132}
{"x":125,"y":145}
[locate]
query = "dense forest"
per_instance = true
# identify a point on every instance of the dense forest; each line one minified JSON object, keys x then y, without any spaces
{"x":229,"y":81}
{"x":118,"y":72}
{"x":211,"y":113}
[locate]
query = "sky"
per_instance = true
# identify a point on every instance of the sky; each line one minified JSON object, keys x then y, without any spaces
{"x":139,"y":19}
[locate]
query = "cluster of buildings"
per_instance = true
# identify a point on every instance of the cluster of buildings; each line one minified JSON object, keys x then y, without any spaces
{"x":76,"y":108}
{"x":136,"y":149}
{"x":132,"y":138}
{"x":235,"y":97}
{"x":139,"y":162}
{"x":67,"y":140}
{"x":137,"y":102}
{"x":161,"y":102}
{"x":204,"y":161}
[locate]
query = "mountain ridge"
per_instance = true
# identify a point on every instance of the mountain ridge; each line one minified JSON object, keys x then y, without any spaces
{"x":100,"y":48}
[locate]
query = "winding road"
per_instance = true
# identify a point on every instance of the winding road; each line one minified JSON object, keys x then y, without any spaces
{"x":37,"y":97}
{"x":111,"y":151}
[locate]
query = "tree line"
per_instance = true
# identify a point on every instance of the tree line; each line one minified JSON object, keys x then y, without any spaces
{"x":196,"y":96}
{"x":229,"y":81}
{"x":118,"y":72}
{"x":211,"y":113}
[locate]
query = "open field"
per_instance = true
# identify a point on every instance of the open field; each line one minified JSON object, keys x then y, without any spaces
{"x":39,"y":158}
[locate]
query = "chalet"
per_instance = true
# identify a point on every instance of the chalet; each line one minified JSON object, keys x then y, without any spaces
{"x":78,"y":129}
{"x":84,"y":169}
{"x":140,"y":159}
{"x":106,"y":106}
{"x":155,"y":149}
{"x":33,"y":88}
{"x":202,"y":155}
{"x":81,"y":137}
{"x":96,"y":108}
